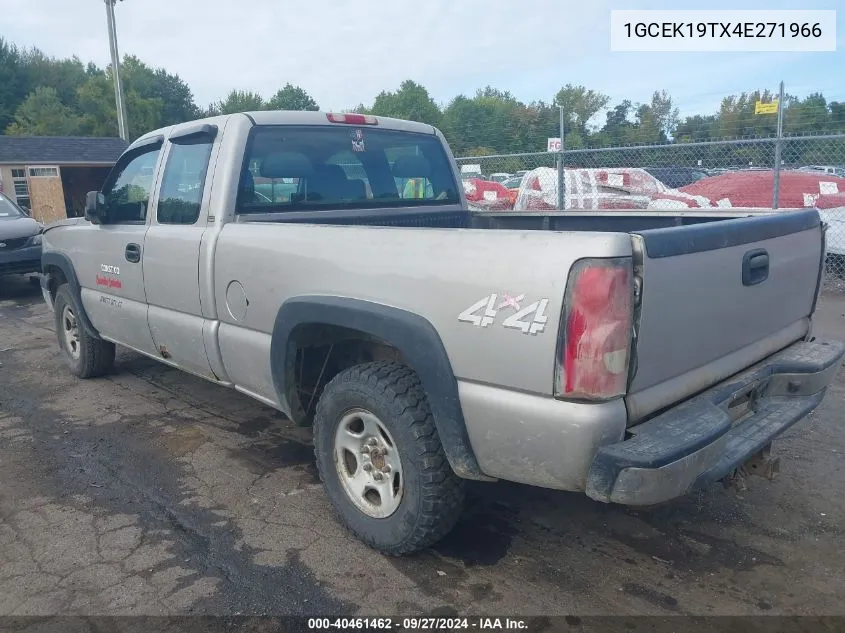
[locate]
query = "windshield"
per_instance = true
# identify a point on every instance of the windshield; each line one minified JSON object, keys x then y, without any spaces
{"x":310,"y":168}
{"x":8,"y":210}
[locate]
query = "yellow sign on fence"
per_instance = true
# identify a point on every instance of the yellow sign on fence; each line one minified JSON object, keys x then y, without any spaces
{"x":766,"y":108}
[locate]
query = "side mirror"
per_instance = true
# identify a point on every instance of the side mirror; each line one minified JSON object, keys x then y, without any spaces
{"x":95,"y":206}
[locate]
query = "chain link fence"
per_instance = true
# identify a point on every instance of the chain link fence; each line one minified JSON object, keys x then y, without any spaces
{"x":739,"y":173}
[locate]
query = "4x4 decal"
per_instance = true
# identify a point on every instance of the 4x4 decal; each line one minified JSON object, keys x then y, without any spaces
{"x":531,"y":319}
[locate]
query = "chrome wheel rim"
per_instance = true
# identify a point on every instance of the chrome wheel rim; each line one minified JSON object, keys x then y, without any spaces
{"x":70,"y":332}
{"x":368,"y":464}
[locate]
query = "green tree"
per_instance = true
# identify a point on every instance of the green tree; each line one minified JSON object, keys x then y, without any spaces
{"x":663,"y":114}
{"x":697,"y":128}
{"x":13,"y":82}
{"x":65,"y":75}
{"x":411,"y":102}
{"x":535,"y":123}
{"x":238,"y":101}
{"x":461,"y":123}
{"x":737,"y":118}
{"x":579,"y":106}
{"x":807,"y":116}
{"x":618,"y":128}
{"x":292,"y":97}
{"x":492,"y":118}
{"x":43,"y":114}
{"x":837,"y":116}
{"x":96,"y":101}
{"x":177,"y":100}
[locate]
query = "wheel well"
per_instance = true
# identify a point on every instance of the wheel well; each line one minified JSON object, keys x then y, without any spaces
{"x":57,"y":278}
{"x":317,"y":353}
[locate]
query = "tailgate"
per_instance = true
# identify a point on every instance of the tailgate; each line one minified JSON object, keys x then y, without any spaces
{"x":718,"y":297}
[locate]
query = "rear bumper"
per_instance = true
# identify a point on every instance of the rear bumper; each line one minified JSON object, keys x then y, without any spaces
{"x":20,"y":261}
{"x":701,"y":441}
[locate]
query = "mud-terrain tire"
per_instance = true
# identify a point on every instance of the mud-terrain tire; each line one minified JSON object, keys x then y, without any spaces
{"x":377,"y":414}
{"x":86,"y":356}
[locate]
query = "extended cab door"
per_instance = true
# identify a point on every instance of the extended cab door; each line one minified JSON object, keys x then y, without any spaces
{"x":109,"y":263}
{"x":171,"y":253}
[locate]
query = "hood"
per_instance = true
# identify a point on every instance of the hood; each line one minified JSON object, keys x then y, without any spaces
{"x":65,"y":222}
{"x":10,"y":228}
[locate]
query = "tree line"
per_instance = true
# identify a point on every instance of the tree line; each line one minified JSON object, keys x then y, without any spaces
{"x":45,"y":96}
{"x":42,"y":95}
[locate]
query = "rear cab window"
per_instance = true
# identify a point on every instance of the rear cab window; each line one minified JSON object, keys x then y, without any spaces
{"x":314,"y":168}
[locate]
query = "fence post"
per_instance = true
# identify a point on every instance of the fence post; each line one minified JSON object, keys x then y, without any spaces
{"x":561,"y":173}
{"x":778,"y":150}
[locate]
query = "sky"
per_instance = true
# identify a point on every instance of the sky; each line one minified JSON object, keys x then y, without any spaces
{"x":345,"y":52}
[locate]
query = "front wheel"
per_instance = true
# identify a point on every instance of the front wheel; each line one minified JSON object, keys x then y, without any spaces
{"x":86,"y":356}
{"x":381,"y":460}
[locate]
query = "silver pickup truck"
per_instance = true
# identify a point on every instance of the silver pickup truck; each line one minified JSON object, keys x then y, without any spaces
{"x":328,"y":266}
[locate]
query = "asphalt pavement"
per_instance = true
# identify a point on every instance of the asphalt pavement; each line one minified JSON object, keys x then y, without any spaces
{"x":153,"y":492}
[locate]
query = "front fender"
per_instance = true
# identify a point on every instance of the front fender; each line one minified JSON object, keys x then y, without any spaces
{"x":55,"y":260}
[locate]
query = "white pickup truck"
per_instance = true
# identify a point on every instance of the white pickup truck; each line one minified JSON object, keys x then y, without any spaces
{"x":328,"y":266}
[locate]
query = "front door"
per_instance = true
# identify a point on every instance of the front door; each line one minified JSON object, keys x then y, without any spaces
{"x":111,"y":273}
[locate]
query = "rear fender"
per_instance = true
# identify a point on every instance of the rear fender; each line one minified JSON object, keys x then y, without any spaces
{"x":415,"y":338}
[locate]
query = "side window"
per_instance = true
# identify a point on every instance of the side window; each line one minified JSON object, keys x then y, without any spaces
{"x":183,"y":183}
{"x":127,"y":190}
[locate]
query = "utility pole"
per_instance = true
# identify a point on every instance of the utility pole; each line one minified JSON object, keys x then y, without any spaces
{"x":122,"y":125}
{"x":778,"y":150}
{"x":561,"y":168}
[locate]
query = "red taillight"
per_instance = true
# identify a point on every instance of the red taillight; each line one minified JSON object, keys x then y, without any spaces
{"x":352,"y":119}
{"x":596,"y":330}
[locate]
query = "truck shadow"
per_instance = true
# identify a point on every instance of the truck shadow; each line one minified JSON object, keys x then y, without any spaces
{"x":20,"y":291}
{"x":561,"y":540}
{"x":497,"y":514}
{"x":267,"y":440}
{"x":678,"y":533}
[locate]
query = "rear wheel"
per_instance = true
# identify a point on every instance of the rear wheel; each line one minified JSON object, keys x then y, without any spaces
{"x":86,"y":356}
{"x":381,"y":460}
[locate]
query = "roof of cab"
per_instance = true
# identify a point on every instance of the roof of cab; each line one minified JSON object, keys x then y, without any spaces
{"x":287,"y":117}
{"x":296,"y":117}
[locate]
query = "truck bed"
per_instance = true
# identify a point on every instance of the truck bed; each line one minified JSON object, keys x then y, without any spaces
{"x":691,"y":270}
{"x":616,"y":221}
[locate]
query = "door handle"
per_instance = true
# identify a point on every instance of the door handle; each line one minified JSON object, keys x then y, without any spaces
{"x":133,"y":253}
{"x":755,"y":267}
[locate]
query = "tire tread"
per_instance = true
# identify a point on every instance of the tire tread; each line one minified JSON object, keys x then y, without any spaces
{"x":96,"y":356}
{"x":442,"y":490}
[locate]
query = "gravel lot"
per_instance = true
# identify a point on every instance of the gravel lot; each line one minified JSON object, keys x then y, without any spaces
{"x":153,"y":492}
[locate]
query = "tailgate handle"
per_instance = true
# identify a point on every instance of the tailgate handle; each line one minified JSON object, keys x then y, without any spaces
{"x":755,"y":267}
